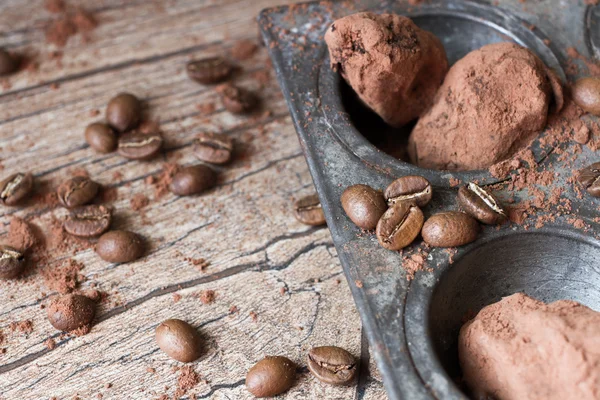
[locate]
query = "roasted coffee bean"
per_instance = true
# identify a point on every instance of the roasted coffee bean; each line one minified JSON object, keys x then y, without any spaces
{"x":481,"y":204}
{"x":88,"y":221}
{"x":77,"y":191}
{"x":140,"y":146}
{"x":72,"y":311}
{"x":12,"y":262}
{"x":308,"y":210}
{"x":331,"y":364}
{"x":586,"y":93}
{"x":414,"y":189}
{"x":213,"y":148}
{"x":123,"y":112}
{"x":8,"y":63}
{"x":237,"y":100}
{"x":15,"y":188}
{"x":209,"y":70}
{"x":179,"y":340}
{"x":120,"y":246}
{"x":363,"y":205}
{"x":101,"y":137}
{"x":271,"y":376}
{"x":193,"y":180}
{"x":399,"y":225}
{"x":589,"y":177}
{"x":450,"y":229}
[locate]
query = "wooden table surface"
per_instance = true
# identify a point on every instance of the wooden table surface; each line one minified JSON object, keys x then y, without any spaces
{"x":283,"y":278}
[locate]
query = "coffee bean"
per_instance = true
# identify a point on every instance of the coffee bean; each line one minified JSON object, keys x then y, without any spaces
{"x":72,"y":311}
{"x":15,"y":188}
{"x":120,"y":246}
{"x":101,"y":137}
{"x":123,"y":112}
{"x":586,"y":93}
{"x":331,"y":364}
{"x":271,"y":376}
{"x":140,"y":146}
{"x":481,"y":204}
{"x":88,"y":221}
{"x":237,"y":100}
{"x":414,"y":189}
{"x":364,"y":205}
{"x":308,"y":210}
{"x":450,"y":229}
{"x":77,"y":191}
{"x":589,"y":177}
{"x":209,"y":70}
{"x":12,"y":262}
{"x":213,"y":148}
{"x":8,"y":63}
{"x":179,"y":340}
{"x":399,"y":226}
{"x":193,"y":180}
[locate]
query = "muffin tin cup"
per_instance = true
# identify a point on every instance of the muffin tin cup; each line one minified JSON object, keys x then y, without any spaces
{"x":413,"y":325}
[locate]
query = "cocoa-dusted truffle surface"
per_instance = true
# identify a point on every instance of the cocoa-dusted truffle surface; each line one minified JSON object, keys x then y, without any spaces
{"x":394,"y":66}
{"x":493,"y":102}
{"x":521,"y":348}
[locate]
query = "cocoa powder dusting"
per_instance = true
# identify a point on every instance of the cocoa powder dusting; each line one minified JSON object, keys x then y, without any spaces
{"x":21,"y":235}
{"x":188,"y":379}
{"x":64,"y":278}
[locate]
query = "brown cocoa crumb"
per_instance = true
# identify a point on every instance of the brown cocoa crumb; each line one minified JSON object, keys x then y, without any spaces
{"x":139,"y":201}
{"x":359,"y":284}
{"x":59,"y":31}
{"x":188,"y":379}
{"x":25,"y":327}
{"x":21,"y":235}
{"x":233,"y":310}
{"x":176,"y":297}
{"x":161,"y":182}
{"x":50,"y":344}
{"x":63,"y":279}
{"x":151,"y":370}
{"x":200,"y":263}
{"x":207,"y":296}
{"x":253,"y":316}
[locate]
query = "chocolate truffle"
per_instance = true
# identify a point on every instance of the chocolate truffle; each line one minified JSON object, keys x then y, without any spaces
{"x":521,"y":348}
{"x":394,"y":66}
{"x":493,"y":102}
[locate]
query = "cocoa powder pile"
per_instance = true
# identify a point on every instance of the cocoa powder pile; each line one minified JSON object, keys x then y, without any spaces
{"x":521,"y":348}
{"x":492,"y":103}
{"x":394,"y":66}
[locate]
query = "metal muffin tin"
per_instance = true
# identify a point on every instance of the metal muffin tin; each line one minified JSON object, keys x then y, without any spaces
{"x":412,"y":325}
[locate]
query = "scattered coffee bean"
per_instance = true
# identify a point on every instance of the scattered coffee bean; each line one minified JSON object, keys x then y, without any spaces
{"x":209,"y":70}
{"x":308,"y":210}
{"x":72,"y":311}
{"x":481,"y":204}
{"x":399,"y":225}
{"x":179,"y":340}
{"x":77,"y":191}
{"x":271,"y":376}
{"x":237,"y":100}
{"x":414,"y":189}
{"x":450,"y":229}
{"x":140,"y":146}
{"x":14,"y":188}
{"x":332,"y":365}
{"x":120,"y":246}
{"x":363,"y":205}
{"x":193,"y":180}
{"x":8,"y":63}
{"x":88,"y":221}
{"x":101,"y":137}
{"x":12,"y":262}
{"x":213,"y":148}
{"x":586,"y":93}
{"x":123,"y":112}
{"x":589,"y":177}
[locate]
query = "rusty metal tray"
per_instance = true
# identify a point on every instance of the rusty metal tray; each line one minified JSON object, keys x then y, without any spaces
{"x":412,"y":325}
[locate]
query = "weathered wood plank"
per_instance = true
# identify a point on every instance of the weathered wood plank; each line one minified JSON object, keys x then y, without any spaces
{"x":244,"y":226}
